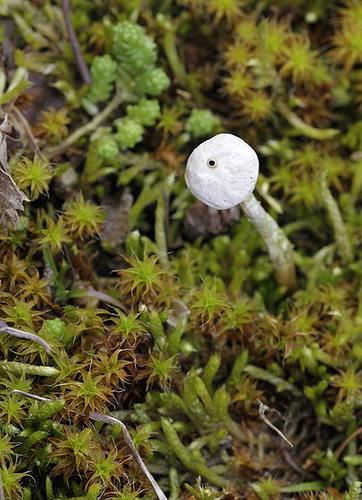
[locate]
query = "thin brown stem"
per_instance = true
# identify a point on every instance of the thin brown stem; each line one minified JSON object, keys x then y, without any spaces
{"x":28,"y":133}
{"x":342,"y":446}
{"x":82,"y":66}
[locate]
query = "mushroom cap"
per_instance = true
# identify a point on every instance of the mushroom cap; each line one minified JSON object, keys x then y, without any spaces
{"x":222,"y":171}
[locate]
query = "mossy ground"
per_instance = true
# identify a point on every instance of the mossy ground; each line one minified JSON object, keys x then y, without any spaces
{"x":159,"y":311}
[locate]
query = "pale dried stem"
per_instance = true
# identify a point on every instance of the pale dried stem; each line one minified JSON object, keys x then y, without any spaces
{"x":2,"y":496}
{"x":87,"y":128}
{"x":4,"y":328}
{"x":262,"y":409}
{"x":126,"y":436}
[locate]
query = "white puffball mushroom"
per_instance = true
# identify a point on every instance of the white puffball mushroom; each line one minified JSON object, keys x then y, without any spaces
{"x":222,"y":171}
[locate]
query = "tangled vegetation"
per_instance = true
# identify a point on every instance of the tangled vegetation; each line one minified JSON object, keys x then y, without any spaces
{"x":125,"y":304}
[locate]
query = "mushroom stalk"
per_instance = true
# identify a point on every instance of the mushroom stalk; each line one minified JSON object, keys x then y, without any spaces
{"x":222,"y":172}
{"x":279,"y":247}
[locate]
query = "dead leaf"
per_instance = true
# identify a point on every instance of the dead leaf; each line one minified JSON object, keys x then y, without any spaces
{"x":8,"y":129}
{"x":201,"y":220}
{"x":115,"y":228}
{"x":11,"y":198}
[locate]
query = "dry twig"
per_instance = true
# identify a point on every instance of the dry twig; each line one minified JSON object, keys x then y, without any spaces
{"x":126,"y":436}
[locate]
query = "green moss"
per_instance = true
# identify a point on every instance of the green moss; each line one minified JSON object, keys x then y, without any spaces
{"x":181,"y":333}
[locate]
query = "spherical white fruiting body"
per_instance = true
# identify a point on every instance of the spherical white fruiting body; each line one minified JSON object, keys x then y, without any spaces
{"x":222,"y":171}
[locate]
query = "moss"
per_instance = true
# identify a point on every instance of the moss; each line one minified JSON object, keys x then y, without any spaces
{"x":175,"y":326}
